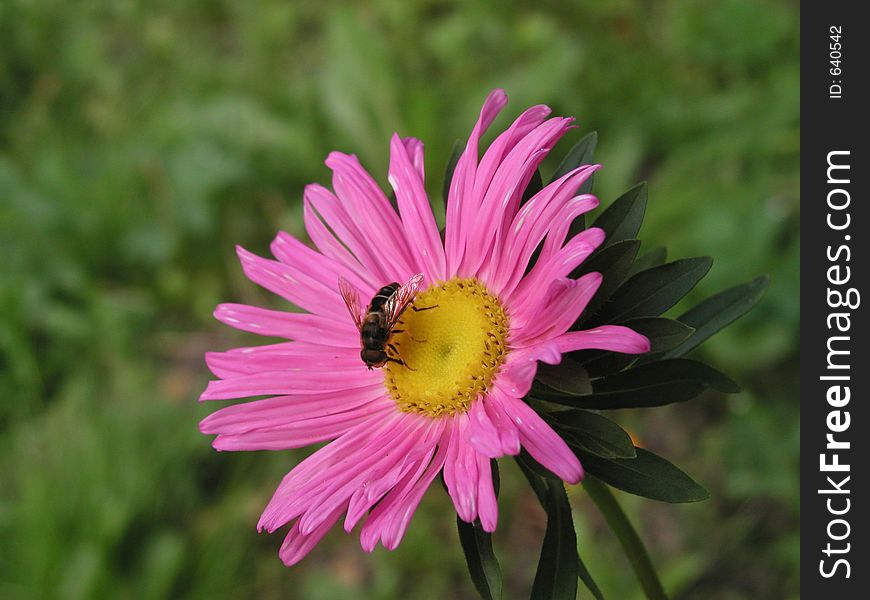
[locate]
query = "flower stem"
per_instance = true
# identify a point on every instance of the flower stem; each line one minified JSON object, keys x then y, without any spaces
{"x":628,"y":538}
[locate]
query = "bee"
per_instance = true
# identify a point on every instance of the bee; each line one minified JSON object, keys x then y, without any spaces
{"x":376,"y":323}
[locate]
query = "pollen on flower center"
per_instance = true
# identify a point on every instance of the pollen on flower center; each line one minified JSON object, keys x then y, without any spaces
{"x":452,"y":344}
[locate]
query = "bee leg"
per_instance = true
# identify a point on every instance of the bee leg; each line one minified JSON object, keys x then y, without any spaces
{"x":413,"y":339}
{"x":415,"y":309}
{"x":393,"y":348}
{"x":401,"y":362}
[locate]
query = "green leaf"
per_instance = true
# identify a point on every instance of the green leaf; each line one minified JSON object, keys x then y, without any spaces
{"x":663,"y":334}
{"x":613,"y":262}
{"x":556,"y":576}
{"x":479,"y":556}
{"x":655,"y":257}
{"x":567,"y":377}
{"x":652,"y":292}
{"x":622,"y":219}
{"x":653,"y":384}
{"x":482,"y":564}
{"x":458,"y":147}
{"x":542,"y":482}
{"x":718,"y":311}
{"x":583,"y":153}
{"x":646,"y":475}
{"x":593,"y":433}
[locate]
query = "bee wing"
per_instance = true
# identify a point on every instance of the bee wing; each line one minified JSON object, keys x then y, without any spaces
{"x":401,"y":298}
{"x":350,"y":295}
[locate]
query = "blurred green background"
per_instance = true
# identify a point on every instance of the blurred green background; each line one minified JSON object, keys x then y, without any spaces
{"x":139,"y":141}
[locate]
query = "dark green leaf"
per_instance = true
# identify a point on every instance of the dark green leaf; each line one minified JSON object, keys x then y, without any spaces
{"x":482,"y":564}
{"x":663,"y":334}
{"x":458,"y":147}
{"x":479,"y":556}
{"x":613,"y":263}
{"x":720,"y":310}
{"x":648,"y":396}
{"x":556,"y":576}
{"x":567,"y":377}
{"x":582,"y":153}
{"x":655,"y":257}
{"x":671,"y":369}
{"x":652,"y":292}
{"x":622,"y":219}
{"x":593,"y":433}
{"x":646,"y":475}
{"x":653,"y":384}
{"x":535,"y":186}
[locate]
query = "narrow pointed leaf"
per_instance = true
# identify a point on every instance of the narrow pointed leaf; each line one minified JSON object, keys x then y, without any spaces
{"x":567,"y":377}
{"x":654,"y":258}
{"x":583,"y":153}
{"x":482,"y":564}
{"x":479,"y":556}
{"x":593,"y":433}
{"x":718,"y":311}
{"x":647,"y":475}
{"x":556,"y":576}
{"x":653,"y":384}
{"x":613,"y":262}
{"x":622,"y":219}
{"x":664,"y":334}
{"x":652,"y":292}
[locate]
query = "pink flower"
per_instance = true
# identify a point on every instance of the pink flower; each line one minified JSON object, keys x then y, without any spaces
{"x":457,"y":402}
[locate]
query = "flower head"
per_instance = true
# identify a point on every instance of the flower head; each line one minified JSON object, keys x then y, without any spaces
{"x":463,"y":352}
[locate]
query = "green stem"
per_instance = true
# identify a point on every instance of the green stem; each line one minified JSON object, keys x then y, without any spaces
{"x":628,"y":538}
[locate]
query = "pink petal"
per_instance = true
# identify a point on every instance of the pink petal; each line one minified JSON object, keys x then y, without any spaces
{"x":325,"y":240}
{"x":284,"y":410}
{"x":566,"y":303}
{"x":487,"y":505}
{"x":326,"y":270}
{"x":335,"y":216}
{"x":296,"y":545}
{"x":460,"y":472}
{"x":501,"y":199}
{"x":318,"y":469}
{"x":390,"y":518}
{"x":533,"y":223}
{"x":297,"y":326}
{"x":416,"y":212}
{"x":542,"y":442}
{"x":294,"y":285}
{"x":526,"y":298}
{"x":275,"y":383}
{"x":615,"y":338}
{"x":287,"y":356}
{"x":462,"y":185}
{"x":303,"y":433}
{"x":414,"y":148}
{"x":481,"y":433}
{"x":381,"y":480}
{"x":374,"y":216}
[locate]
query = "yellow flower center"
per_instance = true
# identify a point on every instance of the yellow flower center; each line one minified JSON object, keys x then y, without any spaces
{"x":452,"y":346}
